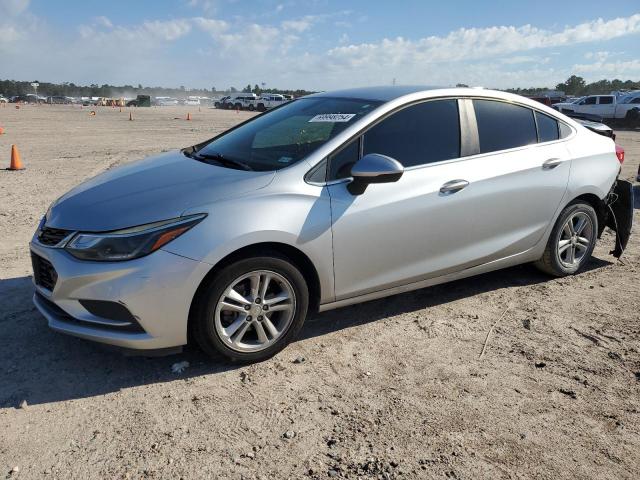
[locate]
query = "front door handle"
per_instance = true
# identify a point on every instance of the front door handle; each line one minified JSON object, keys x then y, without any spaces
{"x":551,"y":163}
{"x":453,"y":186}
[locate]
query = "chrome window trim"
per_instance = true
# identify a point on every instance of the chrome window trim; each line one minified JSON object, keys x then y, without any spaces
{"x":466,"y":100}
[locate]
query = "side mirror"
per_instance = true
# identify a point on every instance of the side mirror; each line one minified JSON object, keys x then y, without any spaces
{"x":374,"y":168}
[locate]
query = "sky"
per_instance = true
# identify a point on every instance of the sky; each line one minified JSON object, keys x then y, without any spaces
{"x":318,"y":44}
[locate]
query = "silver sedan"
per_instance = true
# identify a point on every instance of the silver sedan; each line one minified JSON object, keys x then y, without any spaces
{"x":326,"y":201}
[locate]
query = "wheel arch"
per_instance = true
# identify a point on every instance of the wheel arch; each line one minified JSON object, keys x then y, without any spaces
{"x":598,"y":205}
{"x":297,"y":257}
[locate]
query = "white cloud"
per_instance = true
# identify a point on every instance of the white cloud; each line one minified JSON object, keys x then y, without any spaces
{"x":210,"y":25}
{"x":104,"y":22}
{"x":207,"y":6}
{"x":478,"y":43}
{"x":301,"y":24}
{"x":168,"y":30}
{"x":288,"y":53}
{"x":602,"y":68}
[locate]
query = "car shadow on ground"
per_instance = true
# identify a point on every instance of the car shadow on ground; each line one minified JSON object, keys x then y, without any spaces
{"x":41,"y":366}
{"x":636,"y":197}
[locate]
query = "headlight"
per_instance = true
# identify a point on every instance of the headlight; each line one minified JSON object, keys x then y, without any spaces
{"x":131,"y":242}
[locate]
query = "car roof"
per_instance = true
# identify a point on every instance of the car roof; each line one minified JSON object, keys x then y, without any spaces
{"x":384,"y":94}
{"x":390,"y":93}
{"x":399,"y":95}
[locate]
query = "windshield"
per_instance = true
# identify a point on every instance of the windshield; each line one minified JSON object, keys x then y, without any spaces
{"x":286,"y":135}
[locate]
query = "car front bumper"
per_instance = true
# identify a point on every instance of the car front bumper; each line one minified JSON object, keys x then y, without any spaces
{"x":154,"y":292}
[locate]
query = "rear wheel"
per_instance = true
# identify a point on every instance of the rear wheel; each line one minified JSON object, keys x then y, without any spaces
{"x":251,"y":309}
{"x":571,"y":241}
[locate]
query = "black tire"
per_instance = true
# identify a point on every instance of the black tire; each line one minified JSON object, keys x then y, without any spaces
{"x":551,"y":261}
{"x":251,"y":107}
{"x":632,"y":118}
{"x":261,"y":107}
{"x":203,"y":328}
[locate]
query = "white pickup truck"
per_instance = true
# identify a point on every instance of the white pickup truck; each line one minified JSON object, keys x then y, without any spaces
{"x":610,"y":107}
{"x":267,"y":101}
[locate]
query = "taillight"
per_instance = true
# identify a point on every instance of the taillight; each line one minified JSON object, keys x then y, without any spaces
{"x":620,"y":153}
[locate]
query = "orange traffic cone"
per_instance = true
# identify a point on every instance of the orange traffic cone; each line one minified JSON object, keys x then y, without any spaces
{"x":16,"y":163}
{"x":188,"y":116}
{"x":1,"y":130}
{"x":130,"y":117}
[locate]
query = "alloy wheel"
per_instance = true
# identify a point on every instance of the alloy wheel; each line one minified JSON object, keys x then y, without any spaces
{"x":575,"y":239}
{"x":255,"y":310}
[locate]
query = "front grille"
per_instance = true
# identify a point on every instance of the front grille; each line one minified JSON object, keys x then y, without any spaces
{"x":43,"y":272}
{"x":52,"y":236}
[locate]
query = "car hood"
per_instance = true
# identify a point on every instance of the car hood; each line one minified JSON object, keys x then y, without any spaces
{"x":156,"y":188}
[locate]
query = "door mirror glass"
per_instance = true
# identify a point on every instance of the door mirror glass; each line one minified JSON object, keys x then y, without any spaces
{"x":374,"y":168}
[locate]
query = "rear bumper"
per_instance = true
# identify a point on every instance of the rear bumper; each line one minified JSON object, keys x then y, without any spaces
{"x":620,"y":219}
{"x":156,"y":290}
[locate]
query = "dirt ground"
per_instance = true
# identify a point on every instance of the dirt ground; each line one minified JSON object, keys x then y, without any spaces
{"x":392,"y":388}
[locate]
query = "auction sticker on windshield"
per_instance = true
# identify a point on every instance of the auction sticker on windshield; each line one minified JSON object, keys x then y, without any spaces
{"x":333,"y":117}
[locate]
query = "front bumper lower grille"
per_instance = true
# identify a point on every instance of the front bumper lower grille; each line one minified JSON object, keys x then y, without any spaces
{"x":44,"y":274}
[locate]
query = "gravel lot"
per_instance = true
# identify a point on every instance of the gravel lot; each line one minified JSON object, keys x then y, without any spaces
{"x":392,"y":388}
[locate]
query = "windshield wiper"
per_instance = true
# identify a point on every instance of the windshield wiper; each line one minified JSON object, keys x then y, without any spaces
{"x":223,"y":160}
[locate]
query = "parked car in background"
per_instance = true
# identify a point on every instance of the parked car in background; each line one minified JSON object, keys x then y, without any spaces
{"x":596,"y":127}
{"x":608,"y":107}
{"x":166,"y":101}
{"x":139,"y":101}
{"x":449,"y":183}
{"x":267,"y":101}
{"x":192,"y":101}
{"x":221,"y":102}
{"x":29,"y":98}
{"x":59,"y":100}
{"x":547,"y":100}
{"x":240,"y":101}
{"x":3,"y":99}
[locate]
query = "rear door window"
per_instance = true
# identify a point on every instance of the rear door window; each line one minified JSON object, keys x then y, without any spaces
{"x":503,"y":125}
{"x":606,"y":100}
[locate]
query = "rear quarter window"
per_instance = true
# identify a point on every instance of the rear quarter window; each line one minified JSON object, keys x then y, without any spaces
{"x":547,"y":128}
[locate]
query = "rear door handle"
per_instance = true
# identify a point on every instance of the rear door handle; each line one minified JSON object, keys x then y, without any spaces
{"x":551,"y":163}
{"x":453,"y":186}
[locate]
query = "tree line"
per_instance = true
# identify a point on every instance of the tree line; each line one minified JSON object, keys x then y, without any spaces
{"x":574,"y":85}
{"x":577,"y":86}
{"x":9,"y":88}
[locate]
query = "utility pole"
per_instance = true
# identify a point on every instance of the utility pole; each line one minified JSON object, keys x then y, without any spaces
{"x":35,"y":86}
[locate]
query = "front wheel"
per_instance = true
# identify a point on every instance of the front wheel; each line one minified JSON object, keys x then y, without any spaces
{"x":571,"y":241}
{"x":251,"y":309}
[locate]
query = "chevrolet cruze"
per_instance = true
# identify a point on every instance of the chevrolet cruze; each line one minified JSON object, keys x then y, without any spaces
{"x":332,"y":199}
